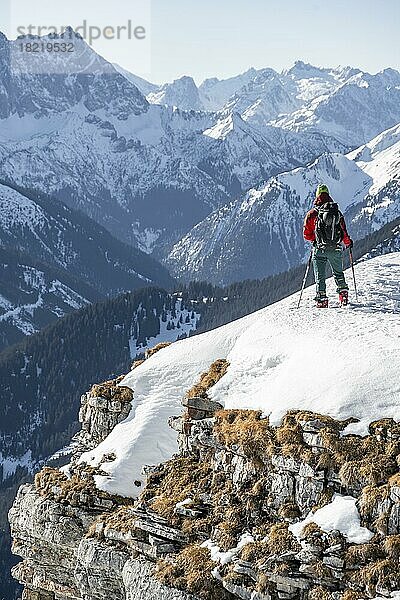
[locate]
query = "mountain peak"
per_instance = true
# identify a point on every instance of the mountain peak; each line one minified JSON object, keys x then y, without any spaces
{"x":182,"y":92}
{"x":303,"y":70}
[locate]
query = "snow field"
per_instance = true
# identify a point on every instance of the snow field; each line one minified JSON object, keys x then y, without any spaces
{"x":341,"y":362}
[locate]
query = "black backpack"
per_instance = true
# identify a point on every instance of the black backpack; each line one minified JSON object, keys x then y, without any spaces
{"x":328,"y":231}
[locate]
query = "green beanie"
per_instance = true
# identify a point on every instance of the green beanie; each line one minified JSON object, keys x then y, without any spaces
{"x":321,"y":189}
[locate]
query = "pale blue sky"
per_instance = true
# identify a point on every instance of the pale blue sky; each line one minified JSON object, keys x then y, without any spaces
{"x":224,"y":37}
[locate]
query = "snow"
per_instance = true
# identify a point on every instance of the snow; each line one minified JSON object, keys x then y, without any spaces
{"x":223,"y":558}
{"x":341,"y":362}
{"x":166,"y":335}
{"x":339,"y":515}
{"x":10,"y":464}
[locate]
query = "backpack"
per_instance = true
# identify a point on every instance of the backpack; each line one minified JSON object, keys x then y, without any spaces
{"x":328,"y":231}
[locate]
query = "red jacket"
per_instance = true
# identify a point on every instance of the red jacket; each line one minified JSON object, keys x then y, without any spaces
{"x":311,"y":219}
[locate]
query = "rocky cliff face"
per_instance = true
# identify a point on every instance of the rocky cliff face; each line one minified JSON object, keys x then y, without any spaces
{"x":236,"y":514}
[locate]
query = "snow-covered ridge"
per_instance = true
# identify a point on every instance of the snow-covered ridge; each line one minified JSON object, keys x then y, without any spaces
{"x":344,"y":363}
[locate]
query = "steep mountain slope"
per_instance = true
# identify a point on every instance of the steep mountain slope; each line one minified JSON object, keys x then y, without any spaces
{"x":50,"y":232}
{"x":43,"y":377}
{"x":34,"y":294}
{"x":182,"y":93}
{"x":390,"y":243}
{"x":55,"y":366}
{"x":260,"y":233}
{"x":41,"y":85}
{"x":56,"y":260}
{"x":269,"y":355}
{"x":246,"y":509}
{"x":215,"y":92}
{"x":144,"y":86}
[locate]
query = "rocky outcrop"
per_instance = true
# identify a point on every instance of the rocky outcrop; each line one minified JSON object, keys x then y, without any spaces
{"x":102,"y":408}
{"x":217,"y":521}
{"x":61,"y":562}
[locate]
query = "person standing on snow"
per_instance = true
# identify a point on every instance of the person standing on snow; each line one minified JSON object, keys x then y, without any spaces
{"x":325,"y":227}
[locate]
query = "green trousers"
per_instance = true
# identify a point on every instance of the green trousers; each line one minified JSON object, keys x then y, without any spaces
{"x":334,"y":257}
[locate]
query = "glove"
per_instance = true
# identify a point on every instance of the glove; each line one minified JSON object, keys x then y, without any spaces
{"x":350,"y":245}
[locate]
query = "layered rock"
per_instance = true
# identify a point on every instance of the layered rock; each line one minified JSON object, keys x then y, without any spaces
{"x":216,"y":521}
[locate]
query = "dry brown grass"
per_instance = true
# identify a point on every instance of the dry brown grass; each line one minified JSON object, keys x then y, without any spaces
{"x":121,"y":519}
{"x":362,"y":554}
{"x":394,"y":481}
{"x":111,"y":390}
{"x":371,"y":496}
{"x":319,"y":593}
{"x":280,"y":539}
{"x":383,"y":426}
{"x":137,"y":363}
{"x":353,"y":595}
{"x":310,"y":531}
{"x":372,"y":470}
{"x":303,"y":416}
{"x":178,"y":479}
{"x":381,"y":523}
{"x":156,"y":348}
{"x":324,"y":499}
{"x":289,"y":510}
{"x":263,"y":583}
{"x":289,"y":432}
{"x":247,"y":430}
{"x":216,"y":371}
{"x":190,"y":571}
{"x":384,"y":573}
{"x":255,"y":551}
{"x":391,"y":545}
{"x":74,"y":491}
{"x":321,"y":571}
{"x":229,"y":529}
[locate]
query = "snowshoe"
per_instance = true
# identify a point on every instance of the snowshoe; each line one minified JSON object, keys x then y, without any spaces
{"x":344,"y":298}
{"x":321,"y":302}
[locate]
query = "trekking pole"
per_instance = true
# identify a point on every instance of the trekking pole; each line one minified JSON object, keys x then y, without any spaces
{"x":354,"y":275}
{"x":305,"y":278}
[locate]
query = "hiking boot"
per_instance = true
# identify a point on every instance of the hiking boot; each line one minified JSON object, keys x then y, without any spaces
{"x":344,"y":297}
{"x":321,"y":301}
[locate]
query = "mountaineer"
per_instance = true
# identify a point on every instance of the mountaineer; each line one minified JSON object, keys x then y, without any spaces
{"x":325,"y":227}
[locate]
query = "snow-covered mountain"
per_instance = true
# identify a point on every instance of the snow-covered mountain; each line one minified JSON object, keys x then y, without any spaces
{"x":50,"y":232}
{"x":56,"y":260}
{"x":260,"y":233}
{"x":182,"y":93}
{"x":271,"y":354}
{"x":353,"y":113}
{"x":147,"y":172}
{"x":33,"y":294}
{"x":390,"y":243}
{"x":344,"y":102}
{"x":288,"y":90}
{"x":144,"y":86}
{"x":150,"y":172}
